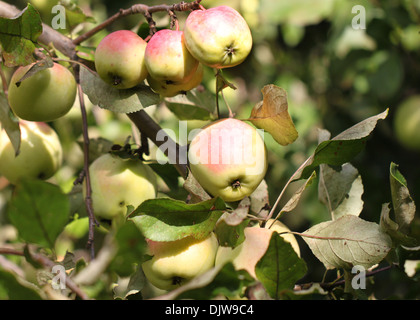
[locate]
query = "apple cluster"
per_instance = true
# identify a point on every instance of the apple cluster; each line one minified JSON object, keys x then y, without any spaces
{"x":172,"y":60}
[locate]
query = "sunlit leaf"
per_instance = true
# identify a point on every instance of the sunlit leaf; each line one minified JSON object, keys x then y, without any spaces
{"x":272,"y":115}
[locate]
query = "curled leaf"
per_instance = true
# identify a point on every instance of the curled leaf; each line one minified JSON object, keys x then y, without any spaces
{"x":271,"y":114}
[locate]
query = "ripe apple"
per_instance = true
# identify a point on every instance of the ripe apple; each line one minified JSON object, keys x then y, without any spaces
{"x":176,"y":262}
{"x":45,"y":96}
{"x":40,"y":153}
{"x":117,"y":183}
{"x":228,"y":159}
{"x":248,"y":253}
{"x":168,"y":59}
{"x":218,"y":37}
{"x":169,"y":89}
{"x":119,"y":59}
{"x":407,"y":123}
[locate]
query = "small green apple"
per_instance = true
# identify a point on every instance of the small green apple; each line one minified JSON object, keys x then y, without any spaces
{"x":117,"y":183}
{"x":218,"y":37}
{"x":40,"y":153}
{"x":228,"y":159}
{"x":176,"y":262}
{"x":45,"y":96}
{"x":119,"y":59}
{"x":171,"y":89}
{"x":248,"y":253}
{"x":407,"y":123}
{"x":168,"y":59}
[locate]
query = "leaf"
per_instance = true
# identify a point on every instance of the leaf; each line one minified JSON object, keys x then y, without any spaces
{"x":116,"y":100}
{"x":131,"y":249}
{"x":193,"y":105}
{"x":74,"y":14}
{"x":347,"y":242}
{"x":19,"y":35}
{"x":341,"y":190}
{"x":196,"y":191}
{"x":9,"y":124}
{"x":167,"y":219}
{"x":220,"y":280}
{"x":294,"y":200}
{"x":39,"y":210}
{"x":393,"y":230}
{"x":35,"y":68}
{"x":14,"y":288}
{"x":272,"y":115}
{"x":403,"y":204}
{"x":342,"y":148}
{"x":260,"y":200}
{"x":280,"y":267}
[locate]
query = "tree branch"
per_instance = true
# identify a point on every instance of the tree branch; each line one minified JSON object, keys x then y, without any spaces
{"x":145,"y":10}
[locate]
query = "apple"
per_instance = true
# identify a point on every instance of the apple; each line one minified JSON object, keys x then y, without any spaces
{"x":252,"y":249}
{"x":407,"y":123}
{"x":218,"y":37}
{"x":176,"y":262}
{"x":170,"y":89}
{"x":117,"y":183}
{"x":40,"y":153}
{"x":119,"y":59}
{"x":168,"y":59}
{"x":45,"y":96}
{"x":228,"y":159}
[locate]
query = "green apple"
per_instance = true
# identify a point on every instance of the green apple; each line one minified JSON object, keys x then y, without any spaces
{"x":248,"y":253}
{"x":45,"y":96}
{"x":167,"y":57}
{"x":171,"y":89}
{"x":218,"y":37}
{"x":176,"y":262}
{"x":407,"y":123}
{"x":119,"y":59}
{"x":117,"y":183}
{"x":228,"y":159}
{"x":40,"y":153}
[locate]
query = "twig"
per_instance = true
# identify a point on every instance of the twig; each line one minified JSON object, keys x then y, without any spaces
{"x":88,"y":199}
{"x":44,"y":261}
{"x":145,"y":10}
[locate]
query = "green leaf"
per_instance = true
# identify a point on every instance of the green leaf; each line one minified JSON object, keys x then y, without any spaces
{"x":280,"y":267}
{"x":74,"y":14}
{"x":194,"y":105}
{"x":403,"y":204}
{"x":14,"y":288}
{"x":9,"y":124}
{"x":116,"y":100}
{"x":348,"y":241}
{"x":167,"y":219}
{"x":392,"y":229}
{"x":131,"y":248}
{"x":39,"y":210}
{"x":35,"y":68}
{"x":19,"y":35}
{"x":342,"y":148}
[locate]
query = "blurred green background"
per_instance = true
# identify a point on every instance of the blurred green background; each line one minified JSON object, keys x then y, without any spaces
{"x":335,"y":76}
